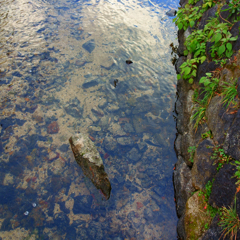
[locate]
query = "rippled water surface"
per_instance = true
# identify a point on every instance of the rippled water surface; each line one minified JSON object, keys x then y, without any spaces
{"x":63,"y":71}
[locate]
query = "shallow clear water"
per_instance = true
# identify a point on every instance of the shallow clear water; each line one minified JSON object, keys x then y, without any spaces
{"x":59,"y":62}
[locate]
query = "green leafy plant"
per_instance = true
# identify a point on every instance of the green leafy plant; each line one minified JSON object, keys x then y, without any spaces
{"x":188,"y":70}
{"x":229,"y":92}
{"x":208,"y":3}
{"x":210,"y":86}
{"x":213,"y":211}
{"x":193,"y":1}
{"x":215,"y":32}
{"x":207,"y":134}
{"x":208,"y":188}
{"x":192,"y":150}
{"x":196,"y":43}
{"x":220,"y":157}
{"x":237,"y":173}
{"x":234,"y":7}
{"x":206,"y":226}
{"x":187,"y":16}
{"x":222,"y":62}
{"x":206,"y":193}
{"x":229,"y":221}
{"x":221,"y":39}
{"x":199,"y":115}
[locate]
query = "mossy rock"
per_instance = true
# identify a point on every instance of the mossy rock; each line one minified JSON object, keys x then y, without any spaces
{"x":196,"y":216}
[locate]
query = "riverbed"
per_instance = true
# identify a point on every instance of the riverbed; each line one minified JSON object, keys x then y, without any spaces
{"x":64,"y":69}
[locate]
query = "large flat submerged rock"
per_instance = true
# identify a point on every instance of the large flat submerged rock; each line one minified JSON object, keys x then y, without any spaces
{"x":89,"y":159}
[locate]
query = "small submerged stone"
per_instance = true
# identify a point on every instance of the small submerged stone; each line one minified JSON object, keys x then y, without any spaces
{"x":115,"y":82}
{"x":26,"y":213}
{"x":89,"y":45}
{"x":53,"y":128}
{"x":128,"y":62}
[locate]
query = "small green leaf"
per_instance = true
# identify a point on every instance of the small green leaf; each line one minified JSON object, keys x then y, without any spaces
{"x":210,"y":34}
{"x":178,"y":76}
{"x":197,"y":53}
{"x":229,"y":54}
{"x":233,"y":38}
{"x":187,"y":70}
{"x":203,"y":58}
{"x":183,"y":65}
{"x":190,"y":81}
{"x":194,"y":73}
{"x":192,"y":23}
{"x":221,"y":50}
{"x":229,"y":46}
{"x":202,"y":79}
{"x":180,"y":26}
{"x":217,"y":37}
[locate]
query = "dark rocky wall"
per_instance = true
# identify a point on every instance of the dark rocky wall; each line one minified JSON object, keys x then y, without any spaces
{"x":191,"y":177}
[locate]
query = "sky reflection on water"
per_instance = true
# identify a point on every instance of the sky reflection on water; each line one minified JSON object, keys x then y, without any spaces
{"x":58,"y":64}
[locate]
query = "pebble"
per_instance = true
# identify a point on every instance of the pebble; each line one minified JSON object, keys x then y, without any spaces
{"x":34,"y":204}
{"x":26,"y":213}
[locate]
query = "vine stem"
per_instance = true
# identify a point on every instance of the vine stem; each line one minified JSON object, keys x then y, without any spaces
{"x":225,"y":19}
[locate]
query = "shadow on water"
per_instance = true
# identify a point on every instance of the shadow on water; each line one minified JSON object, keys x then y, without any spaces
{"x":63,"y":70}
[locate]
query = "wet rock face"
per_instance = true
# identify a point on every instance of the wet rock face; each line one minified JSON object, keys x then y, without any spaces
{"x":235,"y":32}
{"x":210,"y":13}
{"x":182,"y":184}
{"x":203,"y":169}
{"x":232,"y":142}
{"x":89,"y":159}
{"x":224,"y":188}
{"x":214,"y":232}
{"x":222,"y":122}
{"x":218,"y":120}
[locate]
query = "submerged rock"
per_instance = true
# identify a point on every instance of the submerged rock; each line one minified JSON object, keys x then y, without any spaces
{"x":171,"y":13}
{"x":89,"y":45}
{"x":90,"y":82}
{"x":53,"y":128}
{"x":90,"y":161}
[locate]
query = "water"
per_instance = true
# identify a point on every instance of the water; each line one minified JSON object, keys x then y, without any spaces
{"x":59,"y":62}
